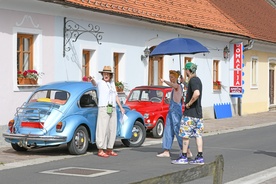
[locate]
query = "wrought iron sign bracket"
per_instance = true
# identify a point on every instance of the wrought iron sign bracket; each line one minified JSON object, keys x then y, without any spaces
{"x":72,"y":31}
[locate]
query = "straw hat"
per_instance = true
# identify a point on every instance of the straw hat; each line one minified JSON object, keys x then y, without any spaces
{"x":106,"y":69}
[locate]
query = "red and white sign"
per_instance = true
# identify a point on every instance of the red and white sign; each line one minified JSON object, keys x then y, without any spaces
{"x":236,"y":69}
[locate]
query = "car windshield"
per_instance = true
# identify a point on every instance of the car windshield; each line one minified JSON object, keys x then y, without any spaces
{"x":51,"y":96}
{"x":146,"y":95}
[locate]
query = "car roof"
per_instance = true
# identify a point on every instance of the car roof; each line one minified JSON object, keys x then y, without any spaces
{"x":70,"y":86}
{"x":153,"y":87}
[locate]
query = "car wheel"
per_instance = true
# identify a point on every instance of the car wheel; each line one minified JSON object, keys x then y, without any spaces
{"x":138,"y":135}
{"x":16,"y":147}
{"x":158,"y":130}
{"x":79,"y":143}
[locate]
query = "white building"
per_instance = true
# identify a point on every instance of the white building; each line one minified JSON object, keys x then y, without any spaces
{"x":112,"y":40}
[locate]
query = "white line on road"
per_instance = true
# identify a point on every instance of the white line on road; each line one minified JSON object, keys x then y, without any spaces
{"x":257,"y":177}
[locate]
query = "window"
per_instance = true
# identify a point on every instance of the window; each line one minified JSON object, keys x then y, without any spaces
{"x":186,"y":60}
{"x":116,"y":66}
{"x":216,"y":81}
{"x":88,"y":99}
{"x":85,"y":63}
{"x":117,"y":59}
{"x":24,"y":52}
{"x":254,"y":81}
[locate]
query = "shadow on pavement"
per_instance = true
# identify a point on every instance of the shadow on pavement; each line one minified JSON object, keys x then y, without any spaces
{"x":272,"y":154}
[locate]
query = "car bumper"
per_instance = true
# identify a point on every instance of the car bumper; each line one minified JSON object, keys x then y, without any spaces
{"x":29,"y":137}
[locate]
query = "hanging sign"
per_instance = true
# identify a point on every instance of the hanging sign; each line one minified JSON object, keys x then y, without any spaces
{"x":236,"y":69}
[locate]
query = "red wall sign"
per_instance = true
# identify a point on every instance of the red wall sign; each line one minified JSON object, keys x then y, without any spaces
{"x":237,"y":65}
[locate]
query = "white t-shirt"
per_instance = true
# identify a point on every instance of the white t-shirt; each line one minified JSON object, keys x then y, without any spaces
{"x":107,"y":93}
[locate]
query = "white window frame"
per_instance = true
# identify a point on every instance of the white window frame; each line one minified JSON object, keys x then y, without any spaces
{"x":37,"y":52}
{"x":254,"y":86}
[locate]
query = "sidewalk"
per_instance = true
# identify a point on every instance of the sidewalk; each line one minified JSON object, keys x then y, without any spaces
{"x":212,"y":126}
{"x":240,"y":122}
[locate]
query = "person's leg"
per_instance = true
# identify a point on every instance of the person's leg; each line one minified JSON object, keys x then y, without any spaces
{"x":102,"y":123}
{"x":180,"y":142}
{"x":111,"y":134}
{"x":185,"y":146}
{"x":199,"y":141}
{"x":184,"y":132}
{"x":167,"y":138}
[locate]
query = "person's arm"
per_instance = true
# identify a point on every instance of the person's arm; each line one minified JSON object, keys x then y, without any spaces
{"x":173,"y":85}
{"x":120,"y":105}
{"x":92,"y":80}
{"x":195,"y":96}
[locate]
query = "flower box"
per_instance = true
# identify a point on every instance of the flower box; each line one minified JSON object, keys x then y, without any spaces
{"x":27,"y":77}
{"x":216,"y":85}
{"x":26,"y":81}
{"x":119,"y":86}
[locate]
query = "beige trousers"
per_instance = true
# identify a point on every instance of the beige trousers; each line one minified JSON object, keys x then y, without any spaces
{"x":106,"y":129}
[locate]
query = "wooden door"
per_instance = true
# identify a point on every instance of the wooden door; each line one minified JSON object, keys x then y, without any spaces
{"x":155,"y":70}
{"x":271,"y":86}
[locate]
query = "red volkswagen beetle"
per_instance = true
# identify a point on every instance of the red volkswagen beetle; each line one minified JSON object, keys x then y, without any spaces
{"x":153,"y":103}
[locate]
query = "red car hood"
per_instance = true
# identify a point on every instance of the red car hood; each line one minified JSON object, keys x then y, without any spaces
{"x":144,"y":107}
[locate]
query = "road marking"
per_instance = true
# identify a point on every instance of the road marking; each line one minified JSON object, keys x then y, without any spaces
{"x":79,"y":171}
{"x":34,"y":161}
{"x":256,"y":178}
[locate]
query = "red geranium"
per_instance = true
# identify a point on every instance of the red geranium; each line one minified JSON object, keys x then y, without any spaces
{"x":31,"y":74}
{"x":217,"y":83}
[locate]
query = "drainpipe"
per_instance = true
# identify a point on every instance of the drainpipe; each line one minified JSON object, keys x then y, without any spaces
{"x":246,"y":47}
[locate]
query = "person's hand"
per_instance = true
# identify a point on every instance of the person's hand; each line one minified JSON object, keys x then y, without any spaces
{"x":90,"y":78}
{"x":187,"y":106}
{"x":123,"y":110}
{"x":162,"y":80}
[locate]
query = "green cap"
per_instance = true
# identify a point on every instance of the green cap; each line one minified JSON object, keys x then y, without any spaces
{"x":191,"y":66}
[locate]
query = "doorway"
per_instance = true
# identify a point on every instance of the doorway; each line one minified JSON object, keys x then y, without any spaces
{"x":155,"y":70}
{"x":271,"y":84}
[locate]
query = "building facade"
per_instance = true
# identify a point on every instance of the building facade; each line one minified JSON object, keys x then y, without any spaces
{"x":63,"y":43}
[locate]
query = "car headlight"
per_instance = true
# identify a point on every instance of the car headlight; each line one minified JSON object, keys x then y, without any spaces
{"x":146,"y":115}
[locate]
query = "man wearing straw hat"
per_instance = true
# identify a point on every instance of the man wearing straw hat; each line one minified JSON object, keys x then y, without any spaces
{"x":107,"y":117}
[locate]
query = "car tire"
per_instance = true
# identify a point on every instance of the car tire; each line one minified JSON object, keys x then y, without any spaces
{"x":79,"y":143}
{"x":158,"y":130}
{"x":138,"y":135}
{"x":16,"y":147}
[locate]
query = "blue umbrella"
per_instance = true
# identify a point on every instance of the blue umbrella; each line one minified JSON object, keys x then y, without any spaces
{"x":179,"y":46}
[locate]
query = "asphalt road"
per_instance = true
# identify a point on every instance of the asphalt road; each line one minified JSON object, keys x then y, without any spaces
{"x":245,"y":152}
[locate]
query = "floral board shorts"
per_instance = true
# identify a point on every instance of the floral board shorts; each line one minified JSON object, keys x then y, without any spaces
{"x":191,"y":127}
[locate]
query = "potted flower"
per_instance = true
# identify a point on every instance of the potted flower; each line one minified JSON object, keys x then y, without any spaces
{"x":27,"y":77}
{"x":217,"y":85}
{"x":119,"y":86}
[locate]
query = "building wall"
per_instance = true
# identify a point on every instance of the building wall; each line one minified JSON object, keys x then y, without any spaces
{"x":121,"y":35}
{"x":256,"y":99}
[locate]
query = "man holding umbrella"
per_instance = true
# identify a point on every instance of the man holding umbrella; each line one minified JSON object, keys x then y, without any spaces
{"x":191,"y":124}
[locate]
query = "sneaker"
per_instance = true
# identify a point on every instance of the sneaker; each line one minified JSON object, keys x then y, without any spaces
{"x":189,"y":156}
{"x":197,"y":160}
{"x":180,"y":160}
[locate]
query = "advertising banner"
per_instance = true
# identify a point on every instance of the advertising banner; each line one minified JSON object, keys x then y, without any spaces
{"x":236,"y":64}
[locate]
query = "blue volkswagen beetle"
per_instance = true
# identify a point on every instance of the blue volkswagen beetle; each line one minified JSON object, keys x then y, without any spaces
{"x":66,"y":113}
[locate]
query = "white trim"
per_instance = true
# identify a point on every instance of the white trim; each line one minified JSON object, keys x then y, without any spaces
{"x":271,"y":61}
{"x":251,"y":72}
{"x":37,"y":51}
